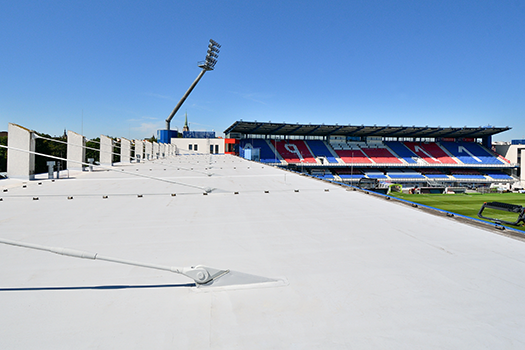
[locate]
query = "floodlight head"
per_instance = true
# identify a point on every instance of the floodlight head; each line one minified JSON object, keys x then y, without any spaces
{"x":211,"y":56}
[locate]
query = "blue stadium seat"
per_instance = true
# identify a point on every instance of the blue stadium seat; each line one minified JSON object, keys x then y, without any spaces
{"x":404,"y":174}
{"x":467,"y":177}
{"x":499,"y":176}
{"x":436,"y":176}
{"x":355,"y":176}
{"x":402,"y":151}
{"x":266,"y":153}
{"x":320,"y":149}
{"x":470,"y":153}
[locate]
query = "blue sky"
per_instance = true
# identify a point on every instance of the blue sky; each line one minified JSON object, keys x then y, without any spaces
{"x":119,"y":67}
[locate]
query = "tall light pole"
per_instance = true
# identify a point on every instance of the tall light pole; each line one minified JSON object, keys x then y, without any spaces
{"x":206,"y":65}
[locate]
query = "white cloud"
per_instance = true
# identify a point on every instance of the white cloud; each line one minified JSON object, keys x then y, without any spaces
{"x":141,"y":119}
{"x":164,"y":97}
{"x":255,"y":97}
{"x":147,"y":129}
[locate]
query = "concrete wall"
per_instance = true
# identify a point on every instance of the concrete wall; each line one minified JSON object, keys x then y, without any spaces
{"x":148,"y":150}
{"x":106,"y":150}
{"x":515,"y":154}
{"x":203,"y":145}
{"x":20,"y":165}
{"x":125,"y":150}
{"x":76,"y":150}
{"x":156,"y":150}
{"x":139,"y":150}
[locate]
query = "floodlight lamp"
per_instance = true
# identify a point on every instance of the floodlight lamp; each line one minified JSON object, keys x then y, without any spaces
{"x":215,"y":43}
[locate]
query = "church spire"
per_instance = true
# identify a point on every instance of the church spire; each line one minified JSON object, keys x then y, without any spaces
{"x":186,"y":127}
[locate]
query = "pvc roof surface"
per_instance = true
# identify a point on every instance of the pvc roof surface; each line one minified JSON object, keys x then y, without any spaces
{"x":263,"y":128}
{"x":358,"y":271}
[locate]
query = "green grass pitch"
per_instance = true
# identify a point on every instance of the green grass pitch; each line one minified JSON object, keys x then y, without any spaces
{"x":469,"y":204}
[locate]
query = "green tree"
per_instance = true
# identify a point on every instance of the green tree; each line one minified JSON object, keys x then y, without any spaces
{"x":50,"y":147}
{"x":93,"y":153}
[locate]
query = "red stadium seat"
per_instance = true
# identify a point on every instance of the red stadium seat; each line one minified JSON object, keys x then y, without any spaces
{"x":294,"y":151}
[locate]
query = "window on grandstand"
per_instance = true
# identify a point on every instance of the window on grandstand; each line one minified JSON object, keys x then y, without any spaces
{"x":254,"y":136}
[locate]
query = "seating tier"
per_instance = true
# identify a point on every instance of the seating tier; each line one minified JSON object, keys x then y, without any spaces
{"x":294,"y":151}
{"x":381,"y":155}
{"x":320,"y":149}
{"x":471,"y":153}
{"x":430,"y":152}
{"x":353,"y":157}
{"x":266,"y":153}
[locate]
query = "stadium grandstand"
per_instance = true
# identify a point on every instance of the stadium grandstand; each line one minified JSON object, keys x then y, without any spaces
{"x":409,"y":155}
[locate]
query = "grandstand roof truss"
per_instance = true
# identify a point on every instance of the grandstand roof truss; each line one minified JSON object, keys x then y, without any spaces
{"x":269,"y":128}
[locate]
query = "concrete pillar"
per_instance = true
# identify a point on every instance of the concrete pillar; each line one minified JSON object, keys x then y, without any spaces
{"x":139,"y":150}
{"x":125,"y":150}
{"x":156,"y":150}
{"x":106,"y":150}
{"x":163,"y":150}
{"x":148,"y":150}
{"x":76,"y":150}
{"x":20,"y":165}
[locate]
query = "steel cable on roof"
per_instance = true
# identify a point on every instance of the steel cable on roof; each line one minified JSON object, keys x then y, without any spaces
{"x":112,"y":153}
{"x":205,"y":189}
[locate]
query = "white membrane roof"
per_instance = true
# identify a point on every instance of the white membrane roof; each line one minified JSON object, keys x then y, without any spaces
{"x":354,"y":270}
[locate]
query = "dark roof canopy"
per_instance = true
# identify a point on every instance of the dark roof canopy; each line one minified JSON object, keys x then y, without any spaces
{"x":263,"y":128}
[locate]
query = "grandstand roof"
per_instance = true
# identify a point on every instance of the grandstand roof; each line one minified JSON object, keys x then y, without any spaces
{"x":353,"y":270}
{"x":269,"y":128}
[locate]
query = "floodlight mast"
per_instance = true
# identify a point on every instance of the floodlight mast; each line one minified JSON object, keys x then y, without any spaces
{"x":208,"y":64}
